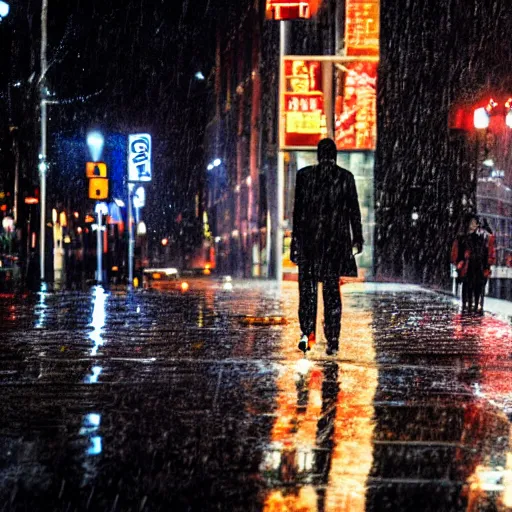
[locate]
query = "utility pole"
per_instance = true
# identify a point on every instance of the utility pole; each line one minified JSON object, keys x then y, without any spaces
{"x":131,"y":239}
{"x":99,"y":248}
{"x":42,"y":154}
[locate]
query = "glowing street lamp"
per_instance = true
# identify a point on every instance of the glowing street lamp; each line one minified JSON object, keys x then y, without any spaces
{"x":481,"y":118}
{"x":95,"y":143}
{"x":508,"y":119}
{"x":4,"y":9}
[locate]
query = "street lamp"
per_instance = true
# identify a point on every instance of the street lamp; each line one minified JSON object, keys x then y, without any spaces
{"x":508,"y":117}
{"x":481,"y":118}
{"x":4,"y":9}
{"x":44,"y":125}
{"x":95,"y":143}
{"x":100,"y":210}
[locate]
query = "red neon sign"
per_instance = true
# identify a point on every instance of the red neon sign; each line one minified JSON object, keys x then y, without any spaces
{"x":302,"y":106}
{"x":356,"y":107}
{"x":290,"y":9}
{"x":362,"y":27}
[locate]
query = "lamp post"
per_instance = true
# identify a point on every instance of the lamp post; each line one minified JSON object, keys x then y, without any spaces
{"x":100,"y":210}
{"x":42,"y":155}
{"x":4,"y":9}
{"x":95,"y":143}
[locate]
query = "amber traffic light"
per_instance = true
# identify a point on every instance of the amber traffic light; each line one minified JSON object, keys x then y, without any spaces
{"x":96,"y":170}
{"x":98,"y":188}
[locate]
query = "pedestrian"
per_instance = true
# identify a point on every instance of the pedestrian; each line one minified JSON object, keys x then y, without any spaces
{"x":470,"y":256}
{"x":326,"y":232}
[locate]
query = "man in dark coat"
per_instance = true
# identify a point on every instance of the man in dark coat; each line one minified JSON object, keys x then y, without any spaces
{"x":326,"y":228}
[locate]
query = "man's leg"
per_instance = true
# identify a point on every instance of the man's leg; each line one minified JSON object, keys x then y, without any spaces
{"x":478,"y":292}
{"x":307,"y":299}
{"x":332,"y":311}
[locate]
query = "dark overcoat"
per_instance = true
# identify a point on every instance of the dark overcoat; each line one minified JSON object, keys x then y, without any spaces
{"x":326,"y":220}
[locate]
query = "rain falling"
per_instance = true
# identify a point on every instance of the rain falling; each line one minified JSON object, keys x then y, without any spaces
{"x":255,"y":255}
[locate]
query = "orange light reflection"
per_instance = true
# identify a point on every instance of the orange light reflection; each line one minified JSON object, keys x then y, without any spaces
{"x":321,"y":441}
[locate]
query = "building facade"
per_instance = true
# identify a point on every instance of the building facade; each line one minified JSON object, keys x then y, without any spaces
{"x":287,"y":76}
{"x":387,"y":78}
{"x":427,"y":166}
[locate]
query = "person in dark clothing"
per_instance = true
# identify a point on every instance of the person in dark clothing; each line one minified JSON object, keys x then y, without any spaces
{"x":486,"y":231}
{"x":326,"y":229}
{"x":470,"y":257}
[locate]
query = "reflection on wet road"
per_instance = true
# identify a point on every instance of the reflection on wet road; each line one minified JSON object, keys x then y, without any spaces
{"x":165,"y":401}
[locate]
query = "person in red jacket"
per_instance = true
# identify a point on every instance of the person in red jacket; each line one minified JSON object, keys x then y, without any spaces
{"x":470,"y":255}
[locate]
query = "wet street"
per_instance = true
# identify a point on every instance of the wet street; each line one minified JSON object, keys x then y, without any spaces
{"x":164,"y":400}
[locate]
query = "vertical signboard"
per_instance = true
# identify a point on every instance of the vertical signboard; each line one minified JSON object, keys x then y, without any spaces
{"x":139,"y":157}
{"x":303,"y":121}
{"x":362,"y":27}
{"x":355,"y":124}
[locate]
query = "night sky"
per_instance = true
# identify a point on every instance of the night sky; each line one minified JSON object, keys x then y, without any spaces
{"x":123,"y":67}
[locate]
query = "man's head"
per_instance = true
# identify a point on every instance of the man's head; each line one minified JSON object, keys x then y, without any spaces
{"x":326,"y":150}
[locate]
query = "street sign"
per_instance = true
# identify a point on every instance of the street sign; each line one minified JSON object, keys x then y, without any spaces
{"x":98,"y":188}
{"x":290,"y":9}
{"x":96,"y":170}
{"x":302,"y":110}
{"x":139,"y":157}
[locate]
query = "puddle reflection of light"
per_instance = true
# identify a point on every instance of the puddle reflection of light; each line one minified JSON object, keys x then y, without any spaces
{"x":41,"y":307}
{"x":324,"y":412}
{"x":305,"y":461}
{"x":272,"y":457}
{"x":98,"y":318}
{"x":93,"y":419}
{"x":95,"y":447}
{"x":90,"y":425}
{"x":93,"y":377}
{"x":303,"y":366}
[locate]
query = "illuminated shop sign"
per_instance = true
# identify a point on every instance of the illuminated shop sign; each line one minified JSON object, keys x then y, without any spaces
{"x":355,"y":124}
{"x":303,"y":121}
{"x":290,"y":9}
{"x":139,"y":157}
{"x":362,"y":27}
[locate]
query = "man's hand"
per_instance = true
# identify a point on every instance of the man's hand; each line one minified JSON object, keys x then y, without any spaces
{"x":294,"y":252}
{"x":358,"y":246}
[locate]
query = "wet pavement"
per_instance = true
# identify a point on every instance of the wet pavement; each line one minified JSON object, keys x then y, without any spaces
{"x":165,"y":401}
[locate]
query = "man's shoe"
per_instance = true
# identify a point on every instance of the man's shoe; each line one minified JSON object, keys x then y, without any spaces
{"x":306,"y":342}
{"x":331,"y":351}
{"x":303,"y":344}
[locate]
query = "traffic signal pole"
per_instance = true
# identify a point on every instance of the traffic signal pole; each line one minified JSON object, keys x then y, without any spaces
{"x":99,"y":248}
{"x":42,"y":155}
{"x":131,"y":241}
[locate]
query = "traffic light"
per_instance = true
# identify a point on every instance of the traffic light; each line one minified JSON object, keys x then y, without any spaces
{"x":96,"y":170}
{"x":98,"y":188}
